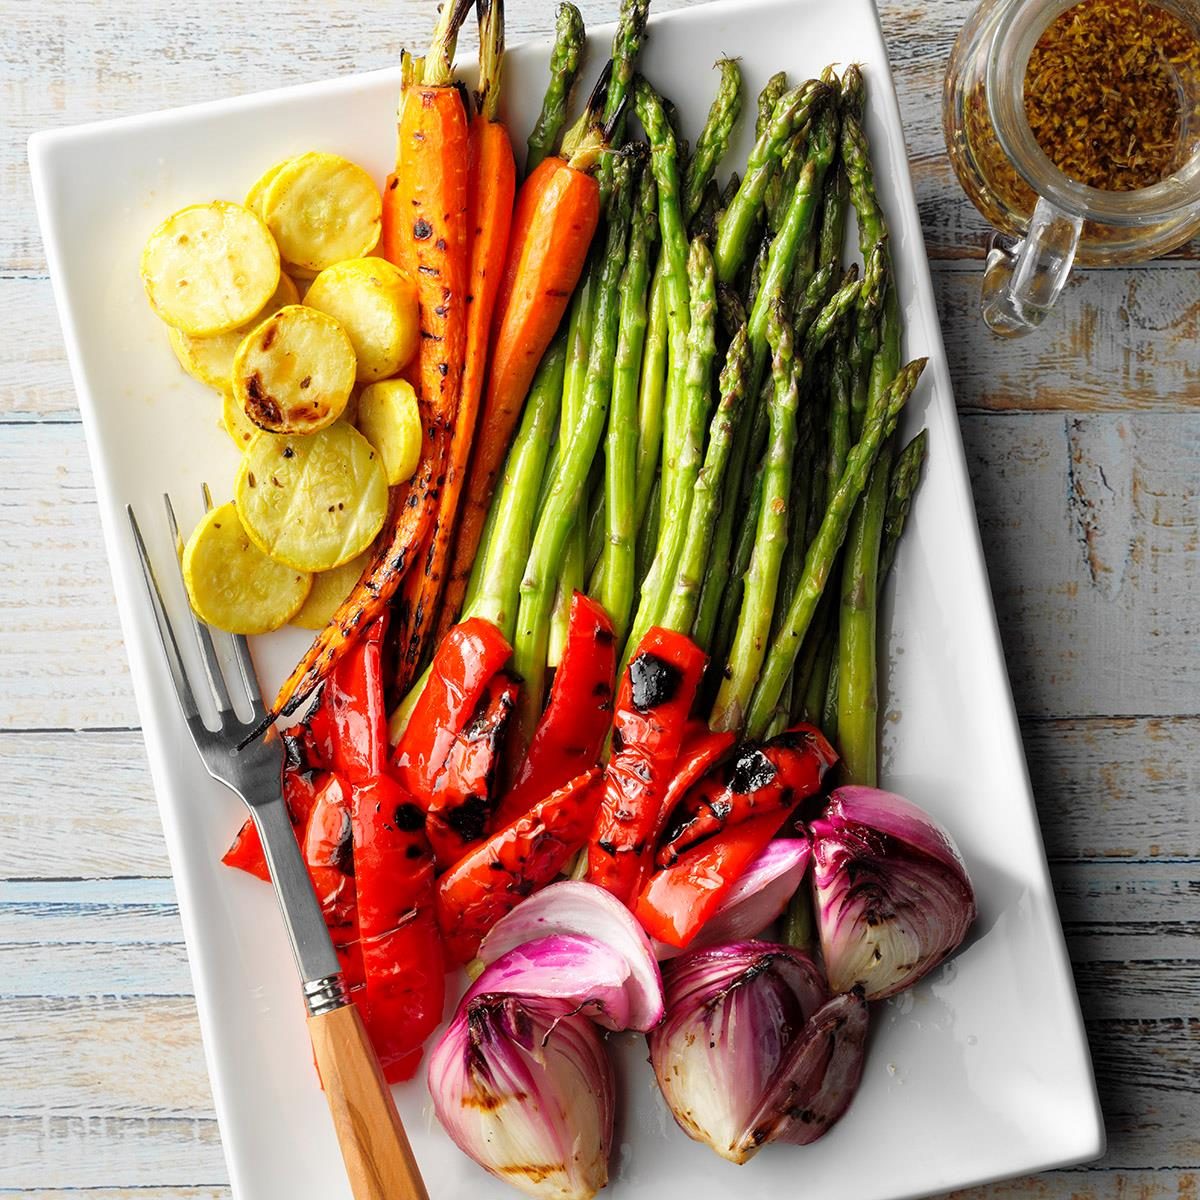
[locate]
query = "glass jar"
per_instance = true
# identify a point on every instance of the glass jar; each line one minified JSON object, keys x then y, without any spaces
{"x":1047,"y":221}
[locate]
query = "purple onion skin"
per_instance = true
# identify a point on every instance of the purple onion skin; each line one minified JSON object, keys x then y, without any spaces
{"x":752,"y":1050}
{"x":892,"y":894}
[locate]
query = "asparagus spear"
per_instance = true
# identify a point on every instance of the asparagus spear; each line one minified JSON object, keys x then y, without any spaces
{"x":762,"y":578}
{"x":821,"y":554}
{"x":496,"y":576}
{"x":578,"y":450}
{"x":564,"y":67}
{"x":680,"y":613}
{"x":767,"y":99}
{"x":792,"y":112}
{"x":714,"y":137}
{"x":647,"y":537}
{"x":902,"y":487}
{"x":651,"y":389}
{"x":618,"y":558}
{"x":626,"y":45}
{"x":665,"y":163}
{"x":858,"y":698}
{"x":673,"y":529}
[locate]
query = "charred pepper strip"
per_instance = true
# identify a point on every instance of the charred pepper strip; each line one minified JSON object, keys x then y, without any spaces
{"x":759,"y":779}
{"x":653,"y":702}
{"x":571,"y":733}
{"x":466,"y":659}
{"x":398,"y":933}
{"x":675,"y":903}
{"x":515,"y":861}
{"x":466,"y":790}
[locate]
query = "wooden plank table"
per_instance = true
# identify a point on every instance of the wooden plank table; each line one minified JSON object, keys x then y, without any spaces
{"x":1085,"y":460}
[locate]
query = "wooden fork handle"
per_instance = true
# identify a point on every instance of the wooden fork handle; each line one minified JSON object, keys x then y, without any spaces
{"x":379,"y":1160}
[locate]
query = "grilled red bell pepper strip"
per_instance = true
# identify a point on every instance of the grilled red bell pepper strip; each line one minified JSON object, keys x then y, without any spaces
{"x":328,"y":850}
{"x":397,"y":930}
{"x":352,"y":701}
{"x":299,"y":794}
{"x":464,"y":662}
{"x":702,"y":751}
{"x":759,"y":779}
{"x":675,"y":903}
{"x":465,"y":793}
{"x":515,"y":861}
{"x":653,"y":703}
{"x":570,"y":735}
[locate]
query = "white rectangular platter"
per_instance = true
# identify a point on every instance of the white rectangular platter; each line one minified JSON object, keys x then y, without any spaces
{"x":982,"y":1071}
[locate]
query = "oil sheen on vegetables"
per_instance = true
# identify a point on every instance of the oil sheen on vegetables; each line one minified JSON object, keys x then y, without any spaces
{"x":1112,"y":93}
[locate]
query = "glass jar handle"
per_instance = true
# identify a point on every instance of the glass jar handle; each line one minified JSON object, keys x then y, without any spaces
{"x":1023,"y":278}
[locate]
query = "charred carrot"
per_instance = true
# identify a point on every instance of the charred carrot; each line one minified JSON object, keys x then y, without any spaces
{"x":557,"y":211}
{"x":431,"y":242}
{"x":491,"y":187}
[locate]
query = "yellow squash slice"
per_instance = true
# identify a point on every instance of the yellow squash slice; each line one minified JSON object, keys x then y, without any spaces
{"x":389,"y":418}
{"x":232,"y":584}
{"x":235,"y":423}
{"x":210,"y":359}
{"x":312,"y":502}
{"x":376,"y":304}
{"x":294,"y":372}
{"x":321,"y":208}
{"x":210,"y":268}
{"x":258,"y":189}
{"x":329,"y":589}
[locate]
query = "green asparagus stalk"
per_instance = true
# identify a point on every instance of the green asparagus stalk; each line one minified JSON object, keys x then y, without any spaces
{"x":567,"y":494}
{"x":767,"y":99}
{"x":813,"y":701}
{"x":704,"y":223}
{"x":619,"y":557}
{"x":495,"y":583}
{"x":743,"y":534}
{"x":713,"y":141}
{"x":823,"y":552}
{"x":838,"y":430}
{"x":762,"y":578}
{"x":626,"y":46}
{"x":902,"y":488}
{"x":792,"y":112}
{"x":564,"y":68}
{"x":694,"y":412}
{"x":829,"y":318}
{"x":665,"y":164}
{"x":680,"y":613}
{"x":647,"y":537}
{"x":652,"y":388}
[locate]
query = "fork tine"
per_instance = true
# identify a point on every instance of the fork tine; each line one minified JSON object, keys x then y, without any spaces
{"x":204,"y":642}
{"x":241,"y":647}
{"x":166,"y":635}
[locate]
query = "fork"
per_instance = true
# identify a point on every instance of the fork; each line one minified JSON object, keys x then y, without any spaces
{"x":379,"y":1160}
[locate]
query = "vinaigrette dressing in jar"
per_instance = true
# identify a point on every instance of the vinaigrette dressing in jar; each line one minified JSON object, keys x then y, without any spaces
{"x":1074,"y":126}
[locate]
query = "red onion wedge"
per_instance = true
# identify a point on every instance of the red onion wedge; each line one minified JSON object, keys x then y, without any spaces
{"x":583,"y":909}
{"x":752,"y":1050}
{"x":892,"y":894}
{"x":525,"y":1088}
{"x":758,"y":898}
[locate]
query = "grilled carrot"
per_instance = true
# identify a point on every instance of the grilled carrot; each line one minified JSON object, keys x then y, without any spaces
{"x":430,"y":240}
{"x":491,"y":186}
{"x":557,"y":211}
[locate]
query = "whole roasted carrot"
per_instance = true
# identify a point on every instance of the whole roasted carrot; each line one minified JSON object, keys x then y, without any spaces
{"x":491,"y":185}
{"x":430,"y":240}
{"x":558,"y":209}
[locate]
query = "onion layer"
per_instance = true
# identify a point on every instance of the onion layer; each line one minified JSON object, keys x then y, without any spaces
{"x":892,"y":894}
{"x":577,"y":908}
{"x":752,"y":1050}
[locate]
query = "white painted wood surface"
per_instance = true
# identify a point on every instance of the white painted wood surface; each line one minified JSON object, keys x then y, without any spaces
{"x":1085,"y":457}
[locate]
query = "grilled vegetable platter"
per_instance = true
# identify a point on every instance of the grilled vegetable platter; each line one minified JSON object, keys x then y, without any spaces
{"x":584,"y":470}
